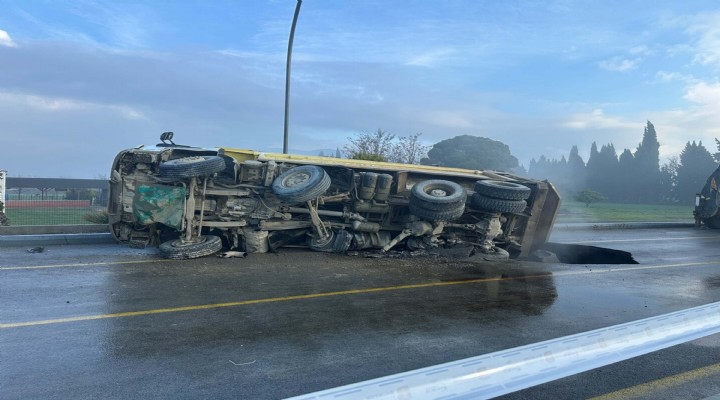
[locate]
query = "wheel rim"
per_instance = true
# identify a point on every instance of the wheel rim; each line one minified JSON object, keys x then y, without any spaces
{"x":438,"y":193}
{"x":185,"y":243}
{"x":188,"y":160}
{"x":296,"y":179}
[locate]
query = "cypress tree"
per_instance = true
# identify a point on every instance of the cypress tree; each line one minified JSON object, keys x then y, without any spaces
{"x":576,"y":170}
{"x":646,"y":172}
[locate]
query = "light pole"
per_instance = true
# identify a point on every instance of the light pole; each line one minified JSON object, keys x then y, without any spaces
{"x":287,"y":76}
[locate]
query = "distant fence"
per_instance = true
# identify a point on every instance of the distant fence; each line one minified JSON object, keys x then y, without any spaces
{"x":48,"y":201}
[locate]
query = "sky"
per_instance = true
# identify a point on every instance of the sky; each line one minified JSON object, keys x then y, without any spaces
{"x":81,"y":80}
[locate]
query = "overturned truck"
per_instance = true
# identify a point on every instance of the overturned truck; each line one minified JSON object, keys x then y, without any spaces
{"x":193,"y":202}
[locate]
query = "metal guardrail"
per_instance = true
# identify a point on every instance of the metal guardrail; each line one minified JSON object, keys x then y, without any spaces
{"x":50,"y":201}
{"x":507,"y":371}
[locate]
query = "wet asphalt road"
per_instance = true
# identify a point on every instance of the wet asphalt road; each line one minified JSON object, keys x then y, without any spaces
{"x":106,"y":321}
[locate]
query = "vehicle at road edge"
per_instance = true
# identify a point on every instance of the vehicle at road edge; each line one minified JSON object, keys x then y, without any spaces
{"x":707,"y":203}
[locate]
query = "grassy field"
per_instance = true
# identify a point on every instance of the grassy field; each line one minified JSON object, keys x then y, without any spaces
{"x":48,"y":216}
{"x":612,"y":212}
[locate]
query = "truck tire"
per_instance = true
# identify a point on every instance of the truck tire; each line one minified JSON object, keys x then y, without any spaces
{"x":497,"y":205}
{"x":177,"y":250}
{"x":339,"y":242}
{"x":189,"y":167}
{"x":301,"y":184}
{"x":502,"y":190}
{"x":444,"y":215}
{"x":437,"y":194}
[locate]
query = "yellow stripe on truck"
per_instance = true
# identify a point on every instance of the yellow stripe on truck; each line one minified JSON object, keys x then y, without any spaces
{"x":243,"y":155}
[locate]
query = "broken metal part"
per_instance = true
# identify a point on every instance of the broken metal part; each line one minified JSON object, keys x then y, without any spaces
{"x":190,"y":210}
{"x":320,"y":230}
{"x":342,"y":214}
{"x":202,"y":206}
{"x":417,"y":228}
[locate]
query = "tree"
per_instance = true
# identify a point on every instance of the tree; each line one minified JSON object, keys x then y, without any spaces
{"x":696,"y":165}
{"x":589,"y":196}
{"x":567,"y":174}
{"x":626,"y":162}
{"x":645,"y":175}
{"x":716,"y":156}
{"x":383,"y":146}
{"x":408,"y":150}
{"x":376,"y":145}
{"x":668,"y":180}
{"x":577,"y":176}
{"x":471,"y":152}
{"x":368,"y":157}
{"x":602,"y":170}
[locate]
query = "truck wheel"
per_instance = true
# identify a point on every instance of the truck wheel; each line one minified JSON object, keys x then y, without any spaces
{"x":177,"y":250}
{"x":438,"y":195}
{"x":301,"y":184}
{"x":502,"y":190}
{"x":445,"y":215}
{"x":188,"y":167}
{"x":498,"y":205}
{"x":339,"y":242}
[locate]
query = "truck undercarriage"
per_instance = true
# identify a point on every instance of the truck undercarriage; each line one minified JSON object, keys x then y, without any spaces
{"x":193,"y":202}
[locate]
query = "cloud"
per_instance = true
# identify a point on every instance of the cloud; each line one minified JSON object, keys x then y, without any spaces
{"x":596,"y":119}
{"x":5,"y":39}
{"x":449,"y":119}
{"x":640,"y":50}
{"x":707,"y":45}
{"x":431,"y":58}
{"x":699,"y":121}
{"x":44,"y":103}
{"x":705,"y":94}
{"x":618,"y":64}
{"x":665,"y":76}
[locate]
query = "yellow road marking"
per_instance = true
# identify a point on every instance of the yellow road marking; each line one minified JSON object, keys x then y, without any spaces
{"x":83,"y":264}
{"x":655,"y":386}
{"x":333,"y":294}
{"x":248,"y":302}
{"x":644,"y":239}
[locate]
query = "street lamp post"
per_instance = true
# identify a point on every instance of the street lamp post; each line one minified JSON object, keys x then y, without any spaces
{"x":287,"y":76}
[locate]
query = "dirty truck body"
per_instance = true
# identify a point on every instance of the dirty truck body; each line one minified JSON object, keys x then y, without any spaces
{"x":707,"y":203}
{"x":193,"y":202}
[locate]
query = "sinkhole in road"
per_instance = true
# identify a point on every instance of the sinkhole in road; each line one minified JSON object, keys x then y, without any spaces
{"x":568,"y":253}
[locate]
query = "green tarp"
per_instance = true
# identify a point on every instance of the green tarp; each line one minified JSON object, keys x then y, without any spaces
{"x":162,"y":204}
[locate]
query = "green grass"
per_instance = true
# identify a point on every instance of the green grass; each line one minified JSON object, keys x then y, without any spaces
{"x":48,"y":216}
{"x":612,"y":212}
